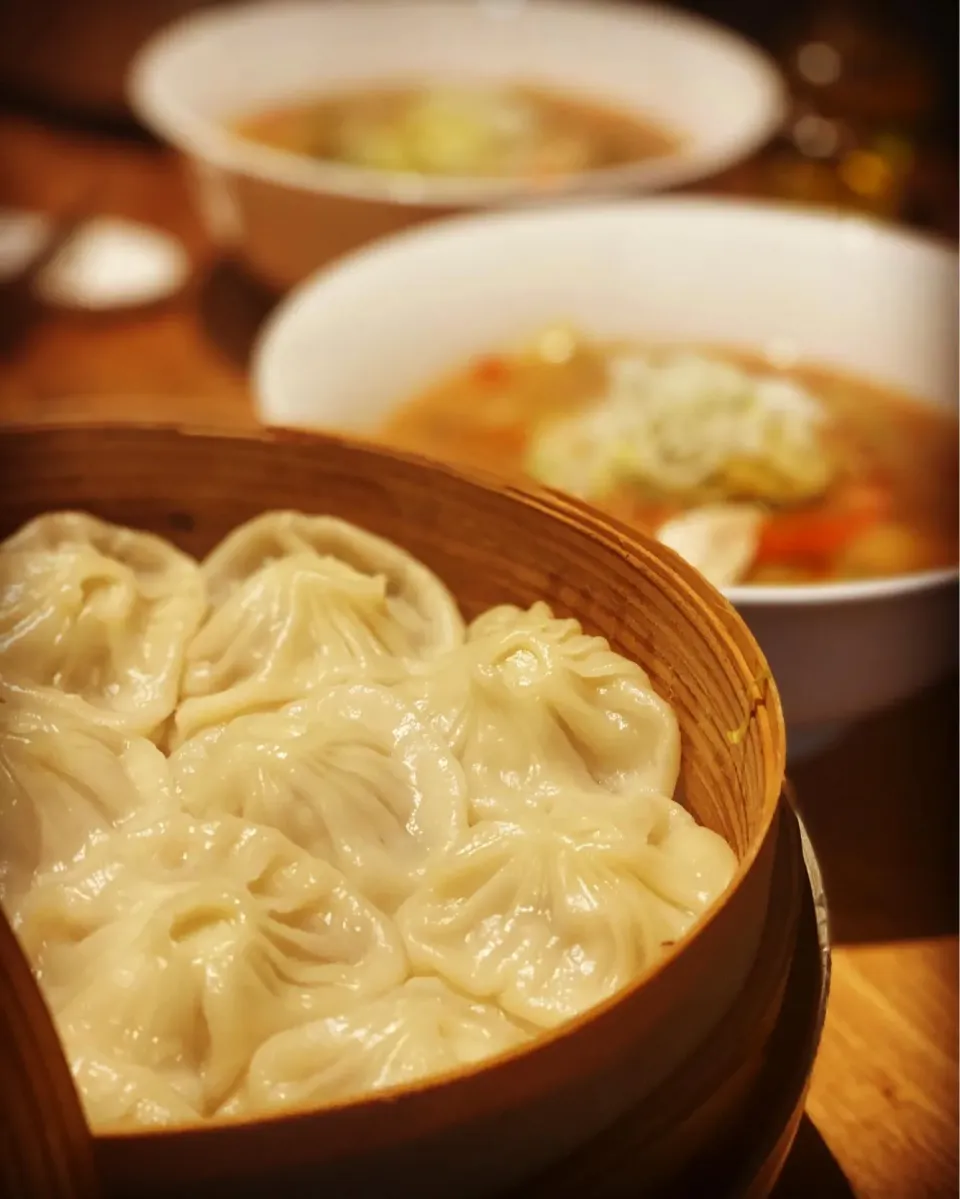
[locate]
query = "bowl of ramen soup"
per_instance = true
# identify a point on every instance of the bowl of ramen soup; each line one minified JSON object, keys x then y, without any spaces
{"x":313,"y":128}
{"x":368,"y":827}
{"x":770,"y":392}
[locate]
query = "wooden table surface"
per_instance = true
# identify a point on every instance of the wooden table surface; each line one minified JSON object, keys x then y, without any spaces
{"x":881,"y":807}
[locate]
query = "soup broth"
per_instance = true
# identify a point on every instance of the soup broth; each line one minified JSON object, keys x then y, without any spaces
{"x":505,"y":132}
{"x":793,"y":476}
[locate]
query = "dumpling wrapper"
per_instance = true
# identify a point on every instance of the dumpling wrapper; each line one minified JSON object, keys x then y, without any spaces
{"x":553,"y":912}
{"x":421,"y":1029}
{"x":101,"y":613}
{"x":179,"y":947}
{"x":117,"y":1093}
{"x":532,"y":706}
{"x":351,"y":776}
{"x":64,"y":780}
{"x":302,"y":602}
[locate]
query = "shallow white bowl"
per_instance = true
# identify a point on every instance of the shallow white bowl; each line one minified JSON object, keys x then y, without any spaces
{"x":286,"y":214}
{"x":841,"y":291}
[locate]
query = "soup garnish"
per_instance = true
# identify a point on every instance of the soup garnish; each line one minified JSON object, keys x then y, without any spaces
{"x":458,"y":131}
{"x":755,"y":475}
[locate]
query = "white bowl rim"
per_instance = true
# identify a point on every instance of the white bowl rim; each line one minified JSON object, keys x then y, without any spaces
{"x":218,"y":145}
{"x":698,"y":207}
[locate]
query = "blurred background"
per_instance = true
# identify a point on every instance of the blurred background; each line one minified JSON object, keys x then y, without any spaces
{"x":873,"y":123}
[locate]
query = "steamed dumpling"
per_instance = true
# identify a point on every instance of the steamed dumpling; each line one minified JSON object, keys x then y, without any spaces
{"x":118,"y":1093}
{"x":63,"y":781}
{"x":418,"y":1030}
{"x":350,"y":776}
{"x":297,"y":624}
{"x":423,"y":602}
{"x":178,"y":947}
{"x":300,"y":602}
{"x":99,"y":612}
{"x":552,"y":913}
{"x":531,"y":706}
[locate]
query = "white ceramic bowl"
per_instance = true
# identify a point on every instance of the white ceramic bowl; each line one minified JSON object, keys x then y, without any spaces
{"x":286,"y":214}
{"x":842,"y":291}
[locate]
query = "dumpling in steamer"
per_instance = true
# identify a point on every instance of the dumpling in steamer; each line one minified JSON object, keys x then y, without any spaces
{"x":532,"y":705}
{"x":418,"y":1030}
{"x":99,"y":612}
{"x":179,"y":947}
{"x":351,"y":776}
{"x":117,"y":1093}
{"x":554,"y":912}
{"x":63,"y":781}
{"x":417,"y":600}
{"x":299,"y":602}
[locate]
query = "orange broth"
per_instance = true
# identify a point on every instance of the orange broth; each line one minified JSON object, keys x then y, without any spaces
{"x":891,"y":508}
{"x":602,"y":135}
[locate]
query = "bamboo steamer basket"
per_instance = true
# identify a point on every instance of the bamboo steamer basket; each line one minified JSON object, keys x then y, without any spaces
{"x":679,"y":1048}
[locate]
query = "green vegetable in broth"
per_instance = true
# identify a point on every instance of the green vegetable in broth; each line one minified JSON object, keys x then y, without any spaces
{"x":461,"y":131}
